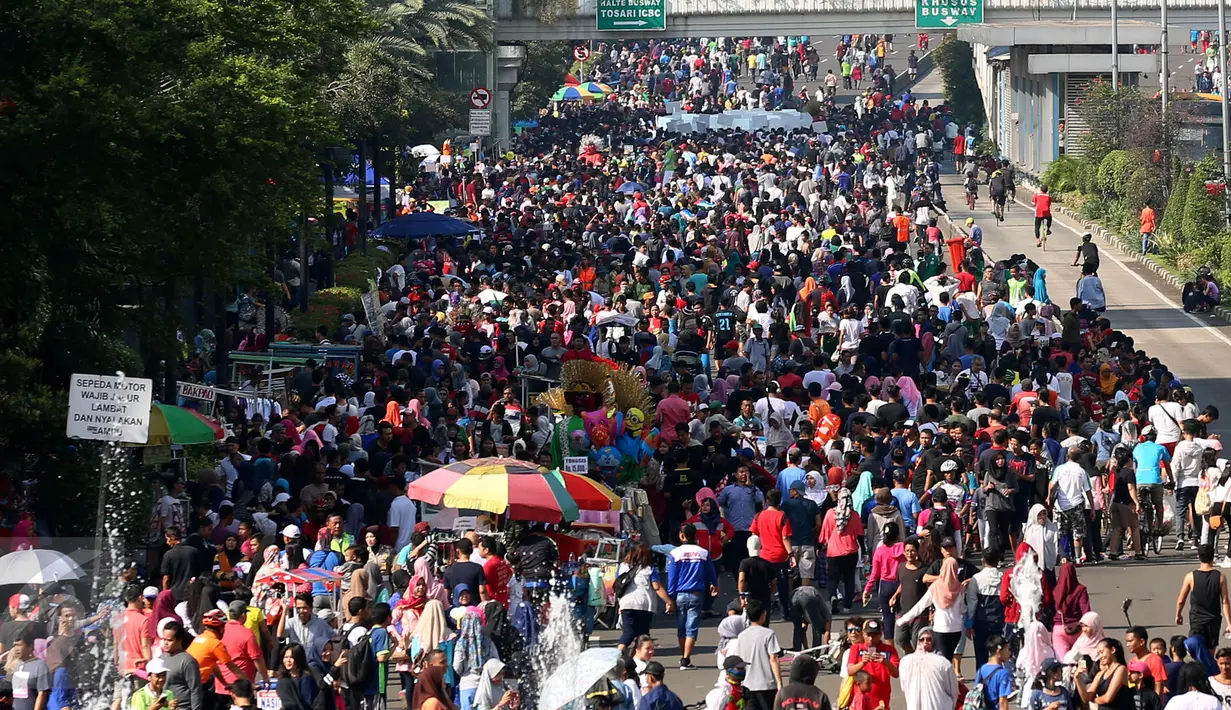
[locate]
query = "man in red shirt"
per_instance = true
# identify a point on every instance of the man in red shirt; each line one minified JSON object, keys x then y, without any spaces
{"x":671,"y":411}
{"x":878,"y":658}
{"x":772,"y":526}
{"x":242,"y":647}
{"x":1042,"y":211}
{"x":496,"y":570}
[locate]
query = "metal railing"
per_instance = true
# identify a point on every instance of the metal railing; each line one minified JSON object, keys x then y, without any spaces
{"x":787,"y":7}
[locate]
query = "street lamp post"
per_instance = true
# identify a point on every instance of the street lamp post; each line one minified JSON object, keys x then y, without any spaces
{"x":1115,"y":45}
{"x":1226,"y":120}
{"x":1165,"y":77}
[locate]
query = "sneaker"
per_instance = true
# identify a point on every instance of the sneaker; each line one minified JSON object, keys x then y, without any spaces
{"x":686,"y":664}
{"x":1179,"y":544}
{"x":1139,"y":557}
{"x":1226,"y":562}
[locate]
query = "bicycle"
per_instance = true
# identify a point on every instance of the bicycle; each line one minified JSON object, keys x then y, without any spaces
{"x":1151,"y":534}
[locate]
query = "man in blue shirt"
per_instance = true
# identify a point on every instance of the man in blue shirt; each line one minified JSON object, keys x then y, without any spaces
{"x":690,"y":576}
{"x":996,"y":678}
{"x":792,"y":473}
{"x":740,"y":502}
{"x":906,"y":499}
{"x":658,"y":696}
{"x":1153,"y":466}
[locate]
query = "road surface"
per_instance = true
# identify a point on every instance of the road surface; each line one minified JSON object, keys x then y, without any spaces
{"x":1194,"y":347}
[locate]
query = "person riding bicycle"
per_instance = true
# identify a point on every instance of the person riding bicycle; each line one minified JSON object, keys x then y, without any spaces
{"x":998,"y":191}
{"x":1153,"y":471}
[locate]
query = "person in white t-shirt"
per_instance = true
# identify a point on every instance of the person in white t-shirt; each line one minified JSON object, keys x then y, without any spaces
{"x":1070,"y":488}
{"x":402,"y":516}
{"x":1166,"y":416}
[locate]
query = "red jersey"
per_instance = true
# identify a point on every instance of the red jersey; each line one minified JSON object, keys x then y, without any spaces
{"x":1042,"y":205}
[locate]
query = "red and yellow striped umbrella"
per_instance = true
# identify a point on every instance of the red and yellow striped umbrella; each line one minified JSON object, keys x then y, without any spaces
{"x":514,"y":488}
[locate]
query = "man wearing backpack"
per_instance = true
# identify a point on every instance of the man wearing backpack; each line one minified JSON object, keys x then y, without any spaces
{"x":362,"y":649}
{"x":994,"y":681}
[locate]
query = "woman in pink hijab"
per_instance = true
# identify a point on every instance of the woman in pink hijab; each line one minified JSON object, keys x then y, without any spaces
{"x":309,"y":436}
{"x":416,"y":410}
{"x":910,"y":395}
{"x":435,"y":588}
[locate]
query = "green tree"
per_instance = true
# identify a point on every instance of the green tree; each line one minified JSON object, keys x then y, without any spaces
{"x":955,"y":59}
{"x":1173,"y":218}
{"x":1202,"y":211}
{"x":149,"y":145}
{"x":543,"y":72}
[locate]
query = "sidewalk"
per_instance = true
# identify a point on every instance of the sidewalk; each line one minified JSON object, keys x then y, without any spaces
{"x":1139,"y":303}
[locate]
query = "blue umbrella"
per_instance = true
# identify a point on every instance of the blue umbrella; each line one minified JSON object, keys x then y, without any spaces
{"x":631,"y":187}
{"x":418,"y":225}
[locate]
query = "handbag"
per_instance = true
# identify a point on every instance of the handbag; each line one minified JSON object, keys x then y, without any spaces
{"x":846,"y":692}
{"x":1203,"y":503}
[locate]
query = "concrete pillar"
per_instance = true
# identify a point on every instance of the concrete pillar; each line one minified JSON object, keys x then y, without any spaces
{"x":509,"y":59}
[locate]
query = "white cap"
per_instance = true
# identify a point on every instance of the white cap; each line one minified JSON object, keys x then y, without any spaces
{"x":150,"y":592}
{"x":291,"y":531}
{"x":156,"y":666}
{"x":23,"y":602}
{"x":326,"y":615}
{"x":281,"y":498}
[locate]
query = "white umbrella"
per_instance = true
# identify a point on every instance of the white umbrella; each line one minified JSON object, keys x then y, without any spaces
{"x":38,"y":567}
{"x":575,"y":676}
{"x":425,"y":150}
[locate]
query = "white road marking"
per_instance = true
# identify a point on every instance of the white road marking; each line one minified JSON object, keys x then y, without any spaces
{"x":1111,"y":255}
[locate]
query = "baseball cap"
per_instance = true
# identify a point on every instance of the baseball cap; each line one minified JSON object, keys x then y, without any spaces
{"x":291,"y":531}
{"x":948,"y":542}
{"x":281,"y":498}
{"x":423,"y":527}
{"x":970,"y":221}
{"x":799,"y":486}
{"x":150,"y":592}
{"x":655,"y":670}
{"x":237,"y":608}
{"x":872,"y":626}
{"x":156,"y":667}
{"x":1138,"y":667}
{"x":20,"y":601}
{"x":1051,"y":665}
{"x":734,"y":663}
{"x":326,"y":615}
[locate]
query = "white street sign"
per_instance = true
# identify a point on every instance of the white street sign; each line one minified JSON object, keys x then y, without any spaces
{"x":110,"y":408}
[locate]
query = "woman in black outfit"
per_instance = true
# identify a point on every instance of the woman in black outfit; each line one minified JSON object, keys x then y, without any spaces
{"x":1108,"y":688}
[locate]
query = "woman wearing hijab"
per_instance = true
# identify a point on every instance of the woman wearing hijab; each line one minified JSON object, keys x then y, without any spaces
{"x":321,"y":665}
{"x":999,"y":322}
{"x":499,"y":370}
{"x":713,"y":530}
{"x":912,"y":398}
{"x":1072,"y":603}
{"x":840,"y":533}
{"x":430,"y":691}
{"x":816,"y":489}
{"x":163,"y":608}
{"x":471,"y":652}
{"x":431,"y":633}
{"x":435,"y":588}
{"x":948,"y":598}
{"x":701,"y":388}
{"x":1086,"y":644}
{"x":1043,"y":536}
{"x":492,"y":693}
{"x":1040,"y":285}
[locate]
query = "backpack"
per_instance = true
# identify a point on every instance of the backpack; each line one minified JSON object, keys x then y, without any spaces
{"x":942,"y":528}
{"x":977,"y":697}
{"x":622,"y":582}
{"x":360,"y":662}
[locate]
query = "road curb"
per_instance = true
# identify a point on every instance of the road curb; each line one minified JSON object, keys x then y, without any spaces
{"x":1113,"y":240}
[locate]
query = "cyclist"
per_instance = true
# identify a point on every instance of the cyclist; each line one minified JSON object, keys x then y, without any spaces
{"x":1153,"y":470}
{"x":998,"y":191}
{"x":1010,"y":181}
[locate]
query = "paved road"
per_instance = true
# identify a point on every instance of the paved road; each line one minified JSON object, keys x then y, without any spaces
{"x":1138,"y":303}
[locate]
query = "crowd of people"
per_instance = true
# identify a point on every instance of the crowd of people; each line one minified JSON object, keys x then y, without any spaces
{"x":851,"y":402}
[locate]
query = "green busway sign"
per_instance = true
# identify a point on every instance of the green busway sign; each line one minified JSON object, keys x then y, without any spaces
{"x":637,"y":15}
{"x":939,"y":14}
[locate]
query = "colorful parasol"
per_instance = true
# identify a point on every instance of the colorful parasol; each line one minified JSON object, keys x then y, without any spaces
{"x":512,"y":487}
{"x":306,"y":575}
{"x":176,"y":425}
{"x":597,"y":88}
{"x":575,"y":93}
